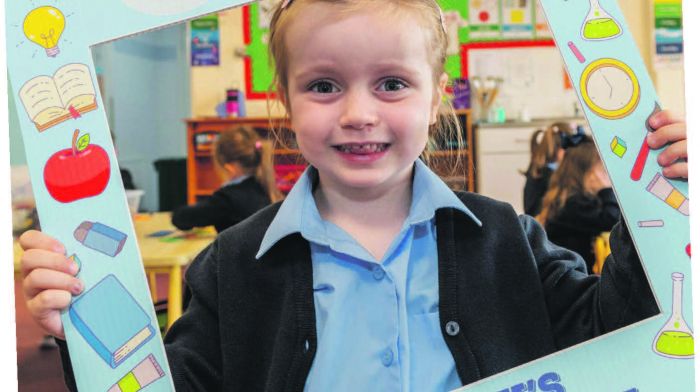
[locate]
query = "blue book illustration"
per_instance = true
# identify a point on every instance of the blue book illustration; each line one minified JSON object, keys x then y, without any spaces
{"x":111,"y":321}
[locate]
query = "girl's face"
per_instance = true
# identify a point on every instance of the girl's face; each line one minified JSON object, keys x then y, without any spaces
{"x":361,"y":96}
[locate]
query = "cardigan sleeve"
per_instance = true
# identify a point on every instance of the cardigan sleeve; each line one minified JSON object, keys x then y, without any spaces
{"x":192,"y":344}
{"x":583,"y":306}
{"x":207,"y":212}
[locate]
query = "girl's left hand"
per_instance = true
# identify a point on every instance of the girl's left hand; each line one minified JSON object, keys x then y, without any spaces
{"x":670,"y":130}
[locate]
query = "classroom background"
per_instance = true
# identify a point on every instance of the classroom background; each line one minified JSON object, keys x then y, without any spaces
{"x":169,"y":92}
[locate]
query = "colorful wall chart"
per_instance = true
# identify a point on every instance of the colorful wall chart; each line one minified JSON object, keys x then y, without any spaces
{"x":111,"y":328}
{"x":618,"y":97}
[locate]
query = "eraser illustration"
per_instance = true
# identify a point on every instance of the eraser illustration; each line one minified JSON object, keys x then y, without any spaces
{"x":661,"y":188}
{"x":139,"y":377}
{"x":618,"y":147}
{"x":651,"y":223}
{"x":99,"y":237}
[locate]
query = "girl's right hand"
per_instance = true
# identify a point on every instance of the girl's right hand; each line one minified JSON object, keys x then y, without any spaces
{"x":49,"y":280}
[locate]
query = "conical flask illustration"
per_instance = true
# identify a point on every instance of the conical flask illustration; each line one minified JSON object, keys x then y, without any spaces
{"x":599,"y":25}
{"x":675,"y":339}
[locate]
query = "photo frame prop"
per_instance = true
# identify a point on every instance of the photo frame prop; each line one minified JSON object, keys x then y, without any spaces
{"x":111,"y":328}
{"x":618,"y":97}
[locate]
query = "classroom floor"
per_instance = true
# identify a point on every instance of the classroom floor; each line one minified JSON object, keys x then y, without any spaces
{"x":40,"y":370}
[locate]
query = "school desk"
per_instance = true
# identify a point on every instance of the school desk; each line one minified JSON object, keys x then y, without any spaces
{"x":167,"y":252}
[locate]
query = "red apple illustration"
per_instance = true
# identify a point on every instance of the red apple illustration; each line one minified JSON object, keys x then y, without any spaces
{"x":77,"y":172}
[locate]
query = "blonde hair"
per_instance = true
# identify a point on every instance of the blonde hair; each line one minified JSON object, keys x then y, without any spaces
{"x":544,"y":146}
{"x":244,"y":146}
{"x":569,"y":179}
{"x":445,"y":132}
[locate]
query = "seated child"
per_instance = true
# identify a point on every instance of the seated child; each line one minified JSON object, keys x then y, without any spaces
{"x":580,"y":203}
{"x":244,"y":163}
{"x":546,"y":152}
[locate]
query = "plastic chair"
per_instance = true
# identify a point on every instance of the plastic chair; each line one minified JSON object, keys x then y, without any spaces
{"x":601,"y":250}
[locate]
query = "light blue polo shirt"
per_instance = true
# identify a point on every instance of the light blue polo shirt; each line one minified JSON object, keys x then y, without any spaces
{"x":377,"y":322}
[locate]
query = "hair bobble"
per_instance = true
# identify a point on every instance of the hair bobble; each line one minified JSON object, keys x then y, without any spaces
{"x":574,"y":140}
{"x":258,"y":145}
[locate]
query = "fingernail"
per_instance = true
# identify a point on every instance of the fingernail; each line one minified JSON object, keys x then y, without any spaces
{"x":59,"y":249}
{"x":651,"y":139}
{"x":77,"y":288}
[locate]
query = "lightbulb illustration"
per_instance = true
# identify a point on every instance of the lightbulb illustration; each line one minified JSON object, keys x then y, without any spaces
{"x":44,"y":26}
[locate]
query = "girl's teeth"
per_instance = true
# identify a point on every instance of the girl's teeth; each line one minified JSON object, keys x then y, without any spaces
{"x":368,"y":148}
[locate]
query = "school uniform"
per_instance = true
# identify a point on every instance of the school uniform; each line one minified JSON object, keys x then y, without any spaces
{"x":490,"y":294}
{"x":534,"y":190}
{"x":230,"y":204}
{"x":581,"y":220}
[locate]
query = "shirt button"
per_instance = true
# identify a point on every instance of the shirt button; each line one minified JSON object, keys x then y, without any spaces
{"x":378,"y":272}
{"x":452,"y":328}
{"x":387,"y":357}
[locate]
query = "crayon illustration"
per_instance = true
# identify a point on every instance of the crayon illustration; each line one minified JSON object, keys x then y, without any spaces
{"x":44,"y":26}
{"x":143,"y":374}
{"x":99,"y":237}
{"x":50,"y":100}
{"x":111,"y":321}
{"x":78,"y":172}
{"x":610,"y":88}
{"x":662,"y":188}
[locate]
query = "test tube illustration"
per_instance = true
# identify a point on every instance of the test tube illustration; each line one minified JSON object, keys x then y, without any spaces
{"x":139,"y":377}
{"x":576,"y":52}
{"x":661,"y":188}
{"x":100,"y":237}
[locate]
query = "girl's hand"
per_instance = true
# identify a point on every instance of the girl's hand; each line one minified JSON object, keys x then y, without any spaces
{"x":670,"y":129}
{"x":49,"y":280}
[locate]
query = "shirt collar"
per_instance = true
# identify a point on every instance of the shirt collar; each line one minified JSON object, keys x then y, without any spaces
{"x":298,"y":212}
{"x":237,"y":180}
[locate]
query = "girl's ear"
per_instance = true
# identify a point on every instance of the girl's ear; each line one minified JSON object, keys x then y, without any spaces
{"x":437,"y":98}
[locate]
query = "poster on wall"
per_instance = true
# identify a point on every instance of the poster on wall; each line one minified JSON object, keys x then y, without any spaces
{"x":517,"y":19}
{"x":204,"y":40}
{"x":484,"y":20}
{"x":668,"y":33}
{"x":541,"y":27}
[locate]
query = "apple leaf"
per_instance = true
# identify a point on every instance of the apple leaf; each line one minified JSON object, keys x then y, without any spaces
{"x":83,"y":142}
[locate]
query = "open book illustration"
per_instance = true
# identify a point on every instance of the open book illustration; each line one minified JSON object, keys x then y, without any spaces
{"x":111,"y":321}
{"x":50,"y":100}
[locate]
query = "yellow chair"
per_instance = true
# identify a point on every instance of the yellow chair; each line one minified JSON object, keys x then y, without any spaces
{"x":601,"y":250}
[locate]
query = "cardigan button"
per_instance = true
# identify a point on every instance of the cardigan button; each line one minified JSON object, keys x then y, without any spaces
{"x":306,"y":346}
{"x":452,"y":328}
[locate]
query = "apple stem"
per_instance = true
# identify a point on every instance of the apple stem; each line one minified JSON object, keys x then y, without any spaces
{"x":74,"y":145}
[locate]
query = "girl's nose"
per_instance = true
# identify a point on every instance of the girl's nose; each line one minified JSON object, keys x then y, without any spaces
{"x":359,"y":111}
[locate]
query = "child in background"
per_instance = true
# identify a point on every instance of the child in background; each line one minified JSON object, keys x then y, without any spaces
{"x":545,"y":154}
{"x":372,"y":274}
{"x":244,"y":163}
{"x":580,"y":203}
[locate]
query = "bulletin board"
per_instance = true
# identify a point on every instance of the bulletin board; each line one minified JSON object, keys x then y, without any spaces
{"x":533,"y":73}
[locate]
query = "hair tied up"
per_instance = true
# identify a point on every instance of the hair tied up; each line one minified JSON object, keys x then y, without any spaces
{"x":573,"y":140}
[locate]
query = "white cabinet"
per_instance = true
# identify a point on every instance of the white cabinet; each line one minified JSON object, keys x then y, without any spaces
{"x":502,"y":153}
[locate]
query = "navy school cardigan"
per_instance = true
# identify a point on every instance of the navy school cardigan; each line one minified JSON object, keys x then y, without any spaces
{"x":507,"y":296}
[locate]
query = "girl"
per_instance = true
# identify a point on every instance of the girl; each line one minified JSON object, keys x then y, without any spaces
{"x":372,"y":274}
{"x":580,"y":203}
{"x":244,"y":163}
{"x":546,"y":151}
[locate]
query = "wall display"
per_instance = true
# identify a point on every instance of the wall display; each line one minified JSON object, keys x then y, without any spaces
{"x":204,"y":41}
{"x":517,"y":19}
{"x":618,"y":97}
{"x":668,"y":33}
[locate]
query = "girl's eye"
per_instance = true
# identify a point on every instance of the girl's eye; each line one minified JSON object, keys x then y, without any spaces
{"x":323,"y":87}
{"x":392,"y":85}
